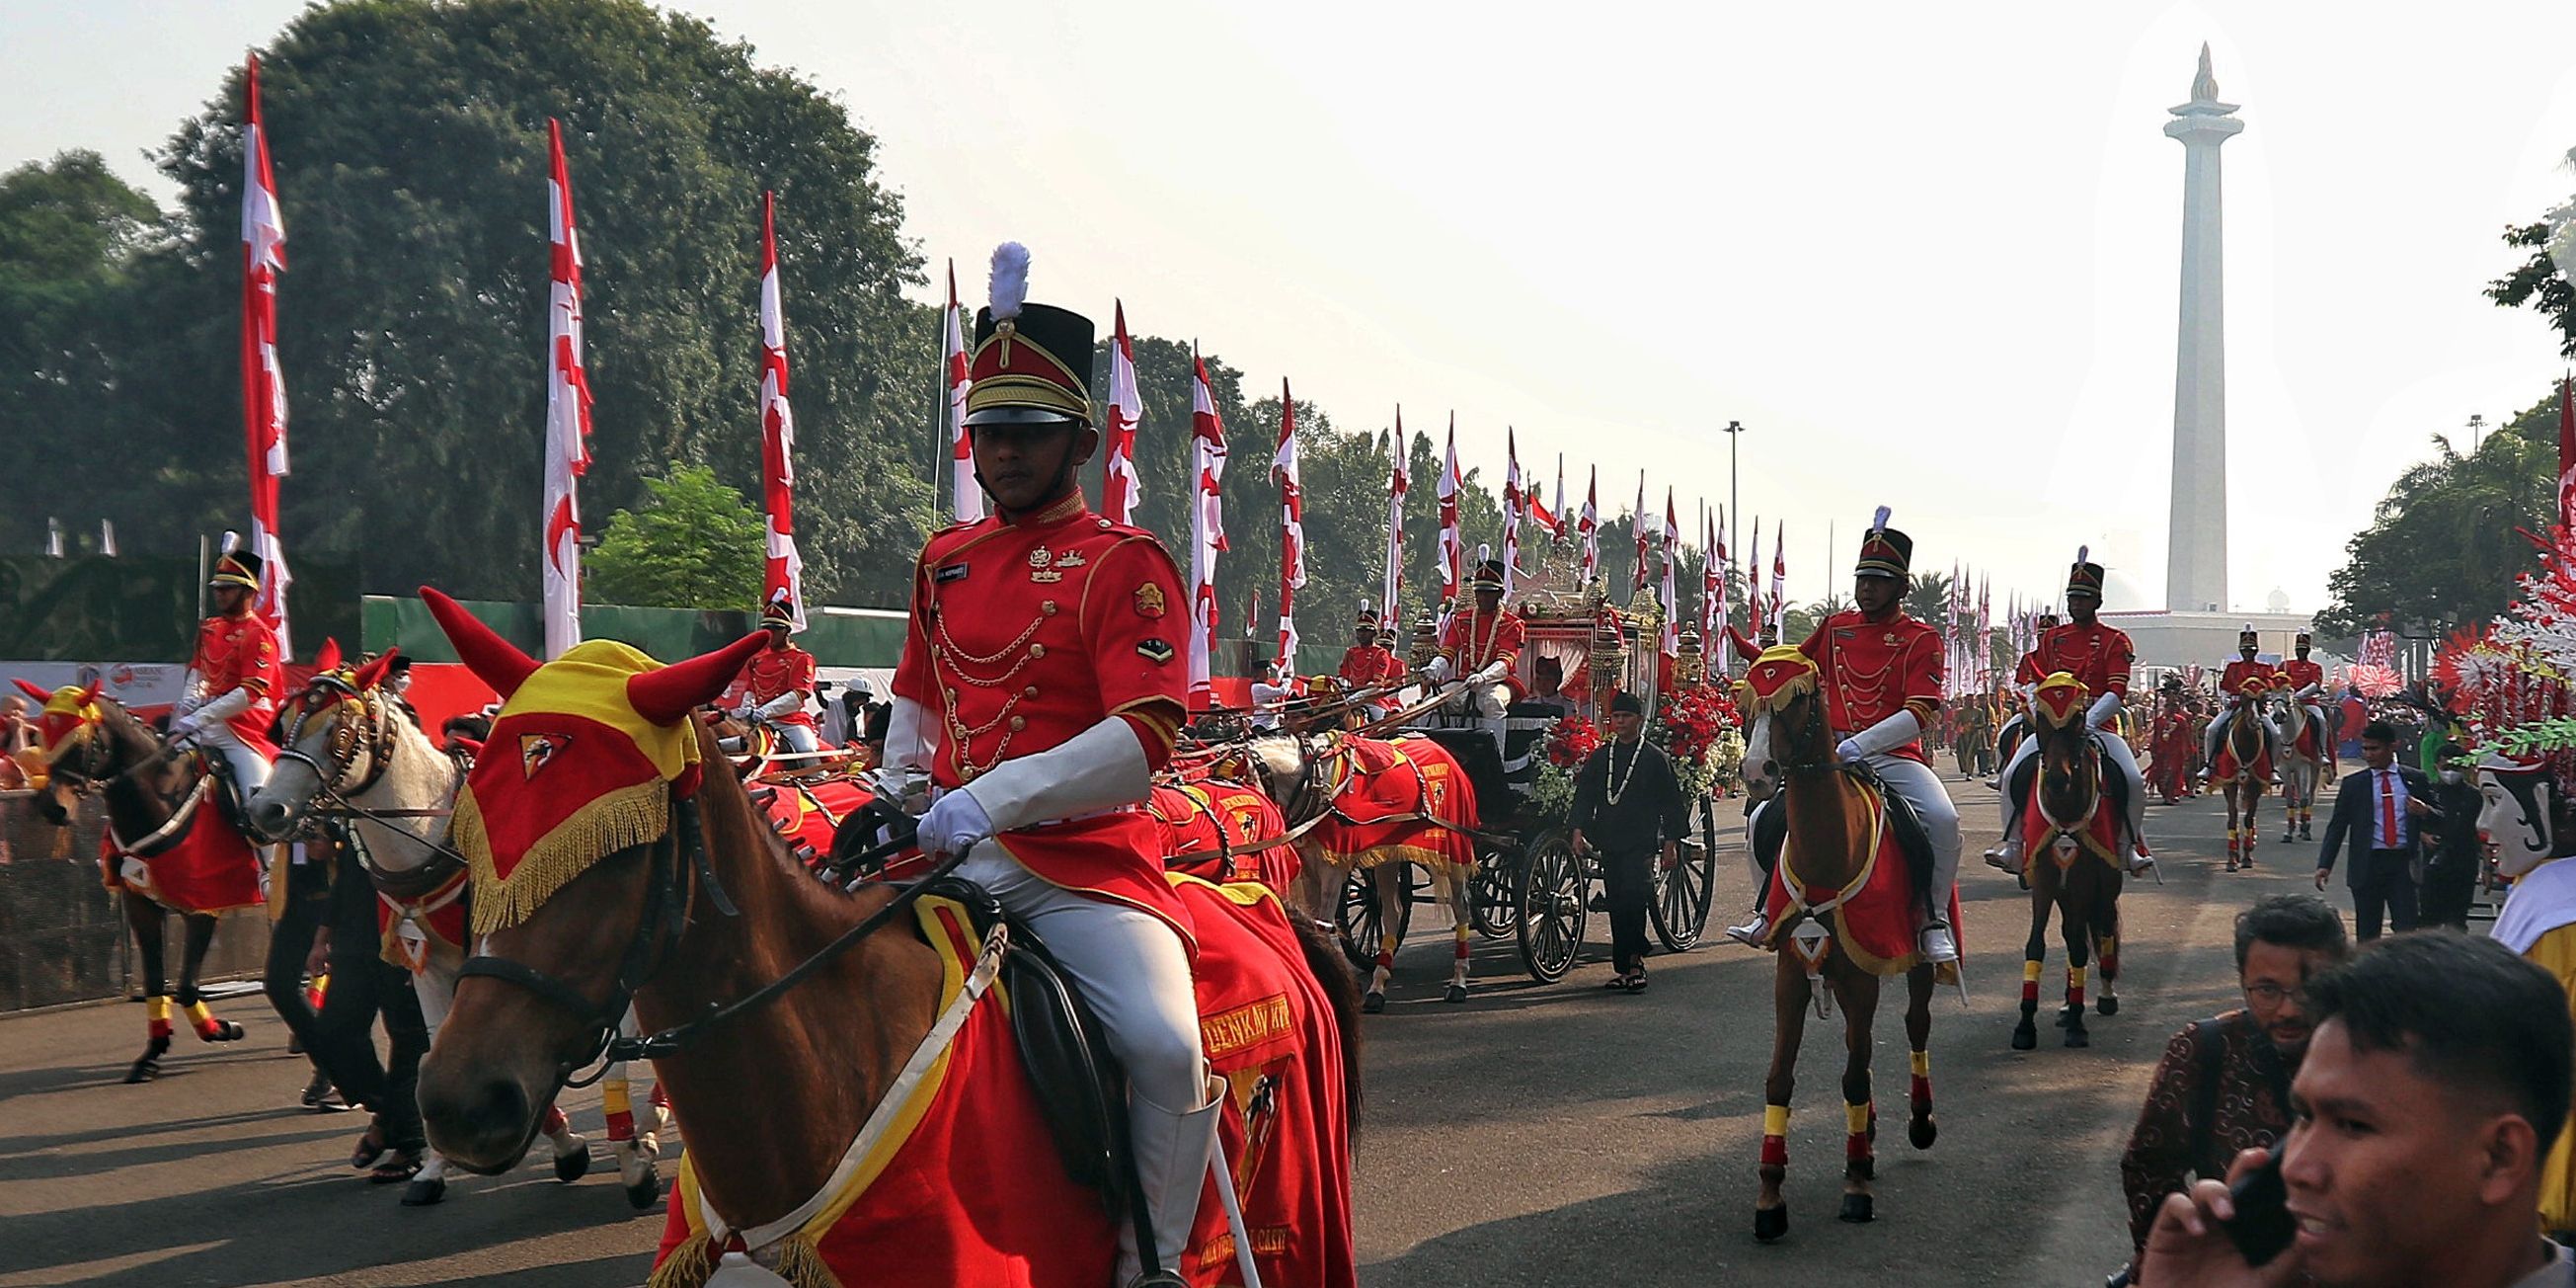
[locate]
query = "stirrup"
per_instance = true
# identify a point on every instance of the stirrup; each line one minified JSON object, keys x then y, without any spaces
{"x":1751,"y":933}
{"x":1943,"y":949}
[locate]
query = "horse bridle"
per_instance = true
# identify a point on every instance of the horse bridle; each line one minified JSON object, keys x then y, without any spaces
{"x":97,"y":759}
{"x":333,"y":795}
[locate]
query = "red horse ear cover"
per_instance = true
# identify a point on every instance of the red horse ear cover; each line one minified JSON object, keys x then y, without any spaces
{"x":373,"y":673}
{"x":493,"y":660}
{"x":328,"y":659}
{"x":667,"y":695}
{"x":39,"y":694}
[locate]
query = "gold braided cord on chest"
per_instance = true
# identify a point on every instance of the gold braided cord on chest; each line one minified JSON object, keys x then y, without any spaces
{"x":951,"y":661}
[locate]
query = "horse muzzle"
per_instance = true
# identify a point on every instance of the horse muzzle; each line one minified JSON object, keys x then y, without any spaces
{"x":477,"y":1119}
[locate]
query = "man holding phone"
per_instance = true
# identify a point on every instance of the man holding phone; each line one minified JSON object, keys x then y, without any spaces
{"x":2385,"y":811}
{"x":2435,"y":1084}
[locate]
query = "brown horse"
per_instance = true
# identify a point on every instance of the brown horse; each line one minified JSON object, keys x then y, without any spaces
{"x":1836,"y":835}
{"x":2241,"y":777}
{"x":158,"y":802}
{"x":823,"y":1014}
{"x":2072,"y":843}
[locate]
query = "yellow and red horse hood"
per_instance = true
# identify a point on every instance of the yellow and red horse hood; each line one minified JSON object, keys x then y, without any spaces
{"x":67,"y":716}
{"x":572,"y":774}
{"x":1781,"y":673}
{"x":2061,"y":698}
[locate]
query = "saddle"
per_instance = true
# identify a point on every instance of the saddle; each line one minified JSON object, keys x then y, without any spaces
{"x":1912,"y":839}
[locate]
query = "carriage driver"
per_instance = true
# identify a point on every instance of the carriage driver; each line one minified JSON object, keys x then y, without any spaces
{"x":778,"y":681}
{"x":2100,"y":657}
{"x":1880,"y":674}
{"x":1040,"y":688}
{"x":1482,"y":644}
{"x":228,"y":695}
{"x":2231,"y":694}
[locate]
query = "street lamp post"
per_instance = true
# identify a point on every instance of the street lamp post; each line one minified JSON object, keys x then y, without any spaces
{"x":1735,"y":504}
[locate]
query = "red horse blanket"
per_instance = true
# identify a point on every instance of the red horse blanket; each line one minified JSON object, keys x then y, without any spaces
{"x":1406,"y":800}
{"x":1220,"y":831}
{"x":807,"y":813}
{"x":2099,"y":835}
{"x":1873,"y":916}
{"x":208,"y":868}
{"x":2227,"y":765}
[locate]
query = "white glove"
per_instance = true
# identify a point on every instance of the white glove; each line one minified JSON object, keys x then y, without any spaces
{"x":1849,"y":752}
{"x":185,"y":726}
{"x":1102,"y":766}
{"x":218,"y":709}
{"x":1887,"y":735}
{"x":1492,"y":674}
{"x":784,"y":704}
{"x":2102,"y":709}
{"x":954,"y":825}
{"x":1438,"y":670}
{"x":742,"y":711}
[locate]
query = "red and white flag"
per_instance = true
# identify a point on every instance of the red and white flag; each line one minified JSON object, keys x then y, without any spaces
{"x":1670,"y":643}
{"x":1452,"y":555}
{"x":784,"y":573}
{"x":1754,"y":615}
{"x":1645,"y":564}
{"x":1292,"y":526}
{"x":966,"y":495}
{"x":1398,"y":483}
{"x":263,"y":235}
{"x":1552,"y":519}
{"x":2566,"y":452}
{"x":1588,"y":527}
{"x":1513,"y":503}
{"x":1779,"y":576}
{"x":1712,"y":587}
{"x":1207,"y":528}
{"x":1119,"y":486}
{"x":567,"y":411}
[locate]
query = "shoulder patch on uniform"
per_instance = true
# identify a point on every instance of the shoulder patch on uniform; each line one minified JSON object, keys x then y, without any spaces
{"x":948,"y":573}
{"x":1149,"y":601}
{"x":1156,"y":651}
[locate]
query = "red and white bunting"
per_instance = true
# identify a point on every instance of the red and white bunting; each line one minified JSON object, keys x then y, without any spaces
{"x":567,"y":410}
{"x":784,"y":570}
{"x":1452,"y":554}
{"x":1292,"y":526}
{"x":1645,"y":561}
{"x":966,"y":496}
{"x":1119,"y":485}
{"x":263,"y":235}
{"x":1207,"y":528}
{"x":1514,"y":502}
{"x":1589,"y":527}
{"x":1398,"y":482}
{"x":1670,"y":643}
{"x":1779,"y":576}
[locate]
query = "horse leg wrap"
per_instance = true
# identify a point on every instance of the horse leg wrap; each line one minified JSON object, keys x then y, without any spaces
{"x":621,"y":1111}
{"x":319,"y":989}
{"x":1857,"y":1121}
{"x":156,"y":1011}
{"x":2030,"y":985}
{"x":207,"y":1026}
{"x":1775,"y":1136}
{"x":555,"y":1125}
{"x":2075,"y":987}
{"x":1921,"y":1062}
{"x":2109,"y":951}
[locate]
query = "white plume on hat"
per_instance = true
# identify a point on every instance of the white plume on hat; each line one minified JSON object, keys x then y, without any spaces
{"x":1878,"y":521}
{"x":2082,"y":553}
{"x":231,"y":542}
{"x":1010,"y":287}
{"x":1484,"y":551}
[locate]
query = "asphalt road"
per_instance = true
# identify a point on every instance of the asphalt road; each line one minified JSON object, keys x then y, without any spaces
{"x":1534,"y":1135}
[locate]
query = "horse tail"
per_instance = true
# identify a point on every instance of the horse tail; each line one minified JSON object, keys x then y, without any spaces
{"x":1332,"y":970}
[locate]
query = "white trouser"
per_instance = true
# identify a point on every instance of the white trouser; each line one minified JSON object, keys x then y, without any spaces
{"x":1921,"y":788}
{"x":250,"y":769}
{"x":798,"y":738}
{"x":1135,"y":975}
{"x":2115,"y":753}
{"x":1487,"y":700}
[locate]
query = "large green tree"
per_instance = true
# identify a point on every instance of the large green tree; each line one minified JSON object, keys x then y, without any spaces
{"x":2541,"y":282}
{"x":409,"y":143}
{"x":693,"y":543}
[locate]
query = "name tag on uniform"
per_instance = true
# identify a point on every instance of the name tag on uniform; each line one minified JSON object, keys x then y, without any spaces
{"x":948,"y":573}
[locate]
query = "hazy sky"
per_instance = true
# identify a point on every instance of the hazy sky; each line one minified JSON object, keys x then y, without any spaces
{"x":1926,"y":253}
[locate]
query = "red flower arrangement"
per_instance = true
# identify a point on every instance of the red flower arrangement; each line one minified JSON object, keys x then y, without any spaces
{"x":1692,"y":719}
{"x":1572,"y":742}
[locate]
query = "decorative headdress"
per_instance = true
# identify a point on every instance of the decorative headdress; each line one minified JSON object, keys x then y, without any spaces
{"x":235,"y":566}
{"x":1884,"y":551}
{"x":2248,"y":638}
{"x":779,"y":612}
{"x":1489,"y":570}
{"x":2084,"y":578}
{"x":1032,"y":362}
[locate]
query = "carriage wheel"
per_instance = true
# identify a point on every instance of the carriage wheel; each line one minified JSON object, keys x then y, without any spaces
{"x":1493,"y":895}
{"x":1361,"y":926}
{"x":1554,"y":901}
{"x":1682,"y":896}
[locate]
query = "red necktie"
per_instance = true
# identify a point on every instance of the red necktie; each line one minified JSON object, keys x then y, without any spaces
{"x":2387,"y":810}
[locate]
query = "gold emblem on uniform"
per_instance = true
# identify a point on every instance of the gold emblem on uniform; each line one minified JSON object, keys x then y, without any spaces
{"x":1070,"y":559}
{"x":1040,"y":569}
{"x":1149,"y":600}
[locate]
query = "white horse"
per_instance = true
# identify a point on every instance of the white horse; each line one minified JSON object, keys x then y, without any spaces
{"x":351,"y":750}
{"x":2300,"y":775}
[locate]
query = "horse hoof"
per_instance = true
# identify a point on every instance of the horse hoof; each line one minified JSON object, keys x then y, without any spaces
{"x":2078,"y":1038}
{"x":2025,"y":1036}
{"x":1769,"y":1224}
{"x":144,"y":1070}
{"x":424,"y":1192}
{"x":644,"y":1193}
{"x":1373,"y":1004}
{"x":222,"y":1031}
{"x":1456,"y":993}
{"x":2107,"y":1005}
{"x":1858,"y":1209}
{"x":2231,"y":865}
{"x":1921,"y":1132}
{"x":572,"y":1165}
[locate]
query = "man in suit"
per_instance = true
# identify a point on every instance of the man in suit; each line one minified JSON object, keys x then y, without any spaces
{"x":2385,"y":810}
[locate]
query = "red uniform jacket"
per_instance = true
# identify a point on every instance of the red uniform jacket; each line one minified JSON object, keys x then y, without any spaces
{"x":2231,"y":683}
{"x":1025,"y":634}
{"x":1473,"y":640}
{"x":2099,"y":656}
{"x":1869,"y":671}
{"x":774,"y":672}
{"x":1365,"y":665}
{"x":2302,"y":673}
{"x":241,"y":653}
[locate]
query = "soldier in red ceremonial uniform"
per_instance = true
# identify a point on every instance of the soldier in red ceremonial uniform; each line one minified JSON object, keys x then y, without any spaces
{"x":2233,"y":704}
{"x":778,"y":681}
{"x":1041,"y":685}
{"x":1481,"y":646}
{"x":2100,"y":657}
{"x":2307,"y":682}
{"x":1880,"y":673}
{"x":228,"y":697}
{"x":1367,"y":663}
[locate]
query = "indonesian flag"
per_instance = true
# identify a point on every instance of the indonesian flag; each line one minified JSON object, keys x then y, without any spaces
{"x":1119,"y":486}
{"x":1207,"y":528}
{"x":1292,"y":526}
{"x":785,"y":571}
{"x":1670,"y":645}
{"x":263,"y":234}
{"x":1712,"y":586}
{"x":1779,"y":575}
{"x":567,"y":411}
{"x":1551,"y":519}
{"x":1398,"y":483}
{"x":967,"y":495}
{"x":1588,"y":527}
{"x":1642,"y":578}
{"x":1512,"y":505}
{"x":1753,"y":614}
{"x":2566,"y":452}
{"x":1452,"y":554}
